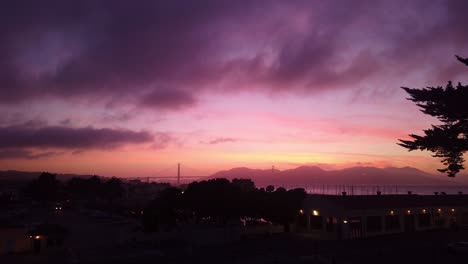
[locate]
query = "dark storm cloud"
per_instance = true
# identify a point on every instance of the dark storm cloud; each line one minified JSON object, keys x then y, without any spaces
{"x":25,"y":154}
{"x":121,"y":50}
{"x":167,"y":98}
{"x":22,"y":136}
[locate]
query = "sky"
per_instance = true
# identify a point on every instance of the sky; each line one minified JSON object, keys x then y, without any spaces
{"x":131,"y":88}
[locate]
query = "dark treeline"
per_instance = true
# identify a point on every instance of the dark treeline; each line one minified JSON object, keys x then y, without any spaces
{"x":46,"y":188}
{"x":220,"y":201}
{"x":214,"y":202}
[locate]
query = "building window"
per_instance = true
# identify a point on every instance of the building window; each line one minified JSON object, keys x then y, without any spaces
{"x":424,"y":220}
{"x":330,"y":224}
{"x":355,"y":227}
{"x":302,"y":220}
{"x":392,"y":222}
{"x":316,"y":222}
{"x":464,"y":219}
{"x":374,"y":224}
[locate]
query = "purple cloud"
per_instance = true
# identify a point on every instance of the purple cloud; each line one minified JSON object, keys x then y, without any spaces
{"x":221,"y":140}
{"x":25,"y":154}
{"x":164,"y":54}
{"x":23,"y":136}
{"x":162,"y":140}
{"x":167,"y":99}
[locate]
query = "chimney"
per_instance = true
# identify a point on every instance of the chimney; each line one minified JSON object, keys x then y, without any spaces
{"x":410,"y":192}
{"x":343,"y":193}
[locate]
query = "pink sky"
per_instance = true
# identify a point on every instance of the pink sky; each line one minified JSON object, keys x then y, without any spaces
{"x":132,"y":89}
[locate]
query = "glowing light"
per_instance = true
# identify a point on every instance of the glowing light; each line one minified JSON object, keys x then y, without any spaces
{"x":408,"y":212}
{"x":301,"y":211}
{"x":453,"y":210}
{"x":439,"y":210}
{"x":315,"y":212}
{"x":345,"y":221}
{"x":392,"y":212}
{"x":424,"y":211}
{"x":37,"y":237}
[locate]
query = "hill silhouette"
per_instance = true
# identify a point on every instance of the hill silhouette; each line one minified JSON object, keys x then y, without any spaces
{"x":300,"y":176}
{"x":307,"y":175}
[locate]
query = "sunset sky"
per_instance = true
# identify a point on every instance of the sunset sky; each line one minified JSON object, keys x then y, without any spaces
{"x":131,"y":88}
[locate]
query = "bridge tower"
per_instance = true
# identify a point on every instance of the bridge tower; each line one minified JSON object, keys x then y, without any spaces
{"x":178,"y":173}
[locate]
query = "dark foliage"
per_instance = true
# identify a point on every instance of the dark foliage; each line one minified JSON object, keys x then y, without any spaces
{"x":94,"y":188}
{"x":448,"y":140}
{"x":222,"y":201}
{"x":163,"y":211}
{"x":46,"y":188}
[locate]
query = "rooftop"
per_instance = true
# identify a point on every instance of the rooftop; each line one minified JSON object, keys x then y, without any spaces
{"x":390,"y":201}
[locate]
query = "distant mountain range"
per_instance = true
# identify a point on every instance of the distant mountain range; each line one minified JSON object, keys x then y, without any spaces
{"x":310,"y":175}
{"x":302,"y":176}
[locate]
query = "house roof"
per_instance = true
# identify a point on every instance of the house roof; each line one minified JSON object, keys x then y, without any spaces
{"x":357,"y":202}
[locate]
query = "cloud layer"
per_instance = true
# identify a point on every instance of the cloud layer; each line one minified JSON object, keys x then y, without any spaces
{"x":67,"y":137}
{"x":163,"y":54}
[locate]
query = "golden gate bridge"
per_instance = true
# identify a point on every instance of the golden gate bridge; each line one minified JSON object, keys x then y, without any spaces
{"x":165,"y":174}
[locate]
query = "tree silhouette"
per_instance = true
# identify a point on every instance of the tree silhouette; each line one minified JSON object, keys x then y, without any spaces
{"x":45,"y":188}
{"x":162,"y":212}
{"x":449,"y":140}
{"x":270,"y":188}
{"x":282,"y":205}
{"x":220,"y":201}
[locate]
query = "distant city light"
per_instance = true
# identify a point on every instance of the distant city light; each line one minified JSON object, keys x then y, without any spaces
{"x":301,"y":211}
{"x":345,"y":221}
{"x":424,"y":211}
{"x":408,"y":212}
{"x":392,"y":212}
{"x":315,"y":212}
{"x":453,"y":210}
{"x":439,"y":210}
{"x":37,"y":237}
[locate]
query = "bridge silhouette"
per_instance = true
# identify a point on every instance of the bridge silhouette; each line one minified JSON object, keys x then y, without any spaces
{"x":161,"y":174}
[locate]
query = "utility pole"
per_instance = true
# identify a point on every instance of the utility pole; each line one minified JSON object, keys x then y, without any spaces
{"x":178,"y":173}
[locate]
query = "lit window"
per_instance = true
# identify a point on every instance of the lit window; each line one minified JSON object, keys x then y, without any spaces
{"x":345,"y":221}
{"x":315,"y":212}
{"x":301,"y":211}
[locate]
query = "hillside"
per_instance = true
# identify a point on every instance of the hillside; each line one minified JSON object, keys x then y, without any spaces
{"x":310,"y":175}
